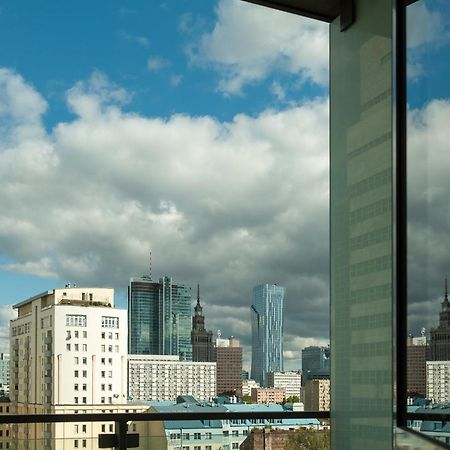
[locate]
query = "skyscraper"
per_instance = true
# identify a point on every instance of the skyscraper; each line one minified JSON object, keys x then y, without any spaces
{"x":315,"y":363}
{"x":159,"y":318}
{"x":267,"y":331}
{"x":201,"y":339}
{"x":228,"y":354}
{"x":440,"y":336}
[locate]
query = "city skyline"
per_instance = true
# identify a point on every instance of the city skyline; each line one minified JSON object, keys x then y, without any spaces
{"x":167,"y":79}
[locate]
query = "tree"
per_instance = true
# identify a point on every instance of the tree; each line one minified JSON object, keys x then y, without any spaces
{"x":246,"y":399}
{"x":308,"y":440}
{"x":292,"y":399}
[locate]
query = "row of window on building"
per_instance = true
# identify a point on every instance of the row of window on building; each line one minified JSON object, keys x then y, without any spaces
{"x":80,"y":320}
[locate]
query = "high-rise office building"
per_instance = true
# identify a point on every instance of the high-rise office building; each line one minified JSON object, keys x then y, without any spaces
{"x":315,"y":363}
{"x":267,"y":331}
{"x":440,"y":336}
{"x":228,"y":353}
{"x":201,"y":338}
{"x":159,"y":318}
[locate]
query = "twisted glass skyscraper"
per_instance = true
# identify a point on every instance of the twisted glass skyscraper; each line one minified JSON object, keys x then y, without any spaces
{"x":267,"y":331}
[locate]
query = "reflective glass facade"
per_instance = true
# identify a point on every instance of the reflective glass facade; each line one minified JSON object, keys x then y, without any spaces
{"x":267,"y":331}
{"x":159,"y":318}
{"x":361,"y":202}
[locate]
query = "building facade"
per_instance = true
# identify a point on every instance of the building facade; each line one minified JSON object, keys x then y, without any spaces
{"x":267,"y":331}
{"x":159,"y":318}
{"x":438,"y":386}
{"x":165,"y":377}
{"x":4,"y":374}
{"x":68,"y":352}
{"x":201,"y":339}
{"x":417,"y":350}
{"x":315,"y":363}
{"x":440,"y":336}
{"x":317,"y":395}
{"x":291,"y":382}
{"x":228,"y":353}
{"x":268,"y":395}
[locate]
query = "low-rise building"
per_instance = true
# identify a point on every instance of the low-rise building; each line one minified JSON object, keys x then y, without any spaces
{"x":268,"y":395}
{"x":248,"y":385}
{"x":291,"y":382}
{"x":165,"y":377}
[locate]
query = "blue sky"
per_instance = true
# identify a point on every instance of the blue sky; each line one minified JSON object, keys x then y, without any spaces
{"x":195,"y":128}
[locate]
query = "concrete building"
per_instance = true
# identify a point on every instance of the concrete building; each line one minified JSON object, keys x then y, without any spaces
{"x":68,"y":352}
{"x":267,"y":331}
{"x":165,"y":377}
{"x":268,"y":395}
{"x":417,"y":350}
{"x":248,"y":385}
{"x":218,"y":434}
{"x":291,"y":382}
{"x":438,"y":386}
{"x":228,"y":353}
{"x":201,"y":339}
{"x":317,"y":395}
{"x":4,"y":374}
{"x":159,"y":318}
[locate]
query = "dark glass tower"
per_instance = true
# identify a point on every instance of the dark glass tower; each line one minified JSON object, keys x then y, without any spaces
{"x":201,"y":339}
{"x":159,"y":318}
{"x":440,"y":336}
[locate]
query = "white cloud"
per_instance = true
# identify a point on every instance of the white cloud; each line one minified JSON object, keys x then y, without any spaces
{"x":175,"y":80}
{"x":6,"y":314}
{"x":143,"y":41}
{"x":156,"y":63}
{"x":248,"y":43}
{"x":229,"y":204}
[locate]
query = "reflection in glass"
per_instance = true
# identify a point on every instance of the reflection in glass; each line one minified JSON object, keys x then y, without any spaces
{"x":428,"y":97}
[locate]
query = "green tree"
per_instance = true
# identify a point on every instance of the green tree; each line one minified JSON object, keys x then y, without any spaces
{"x":308,"y":440}
{"x":292,"y":399}
{"x":246,"y":399}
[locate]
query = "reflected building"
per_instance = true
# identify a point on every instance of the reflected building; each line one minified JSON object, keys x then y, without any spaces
{"x":201,"y":339}
{"x":440,"y":336}
{"x":315,"y":363}
{"x":417,"y":351}
{"x":267,"y":331}
{"x":159,"y":318}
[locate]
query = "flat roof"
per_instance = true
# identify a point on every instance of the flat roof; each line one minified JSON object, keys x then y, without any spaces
{"x":35,"y":297}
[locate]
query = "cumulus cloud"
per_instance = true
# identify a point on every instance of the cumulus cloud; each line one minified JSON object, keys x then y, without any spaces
{"x":156,"y":63}
{"x":228,"y":204}
{"x":248,"y":43}
{"x":428,"y":213}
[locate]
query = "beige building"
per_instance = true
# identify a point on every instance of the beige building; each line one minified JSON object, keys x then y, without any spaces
{"x":317,"y":395}
{"x":268,"y":395}
{"x":291,"y":382}
{"x":68,"y":354}
{"x":438,"y":386}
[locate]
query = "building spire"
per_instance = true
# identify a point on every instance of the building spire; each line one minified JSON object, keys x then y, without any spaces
{"x":445,"y":290}
{"x":198,"y":294}
{"x":150,"y":266}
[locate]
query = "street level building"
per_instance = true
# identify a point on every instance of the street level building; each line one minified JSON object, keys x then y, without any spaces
{"x":291,"y":382}
{"x":228,"y":354}
{"x":267,"y":331}
{"x":317,"y":395}
{"x":159,"y":318}
{"x":201,"y":339}
{"x":165,"y":377}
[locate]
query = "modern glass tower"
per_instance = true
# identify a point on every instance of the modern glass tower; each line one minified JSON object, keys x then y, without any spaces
{"x":267,"y":331}
{"x":159,"y":318}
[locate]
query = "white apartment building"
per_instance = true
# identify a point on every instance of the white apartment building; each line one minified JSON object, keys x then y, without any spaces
{"x":291,"y":382}
{"x":4,"y":374}
{"x":438,"y":385}
{"x":165,"y":377}
{"x":68,"y":353}
{"x":248,"y":385}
